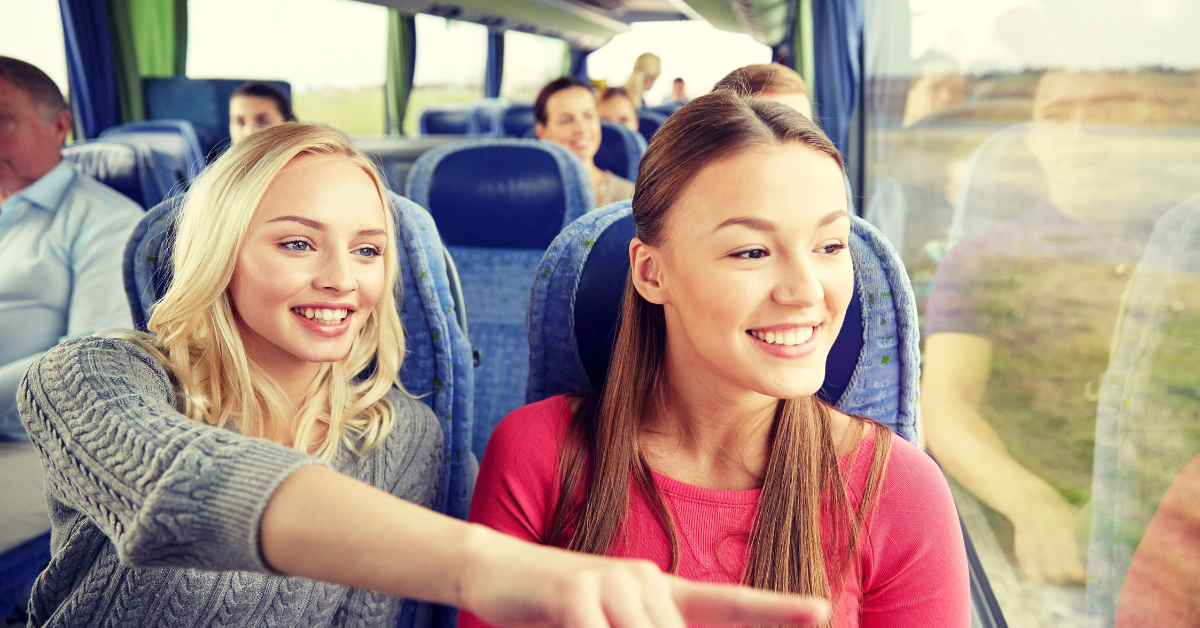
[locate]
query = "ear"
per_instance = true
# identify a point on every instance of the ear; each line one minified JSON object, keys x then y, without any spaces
{"x":646,"y":267}
{"x":61,"y":125}
{"x":539,"y":129}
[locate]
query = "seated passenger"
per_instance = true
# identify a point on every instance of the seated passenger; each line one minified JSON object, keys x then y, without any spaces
{"x":565,"y":112}
{"x":62,"y":235}
{"x":616,"y":106}
{"x":1021,"y":314}
{"x":678,"y":96}
{"x":255,"y":106}
{"x":772,"y":81}
{"x":707,"y":451}
{"x":272,"y":374}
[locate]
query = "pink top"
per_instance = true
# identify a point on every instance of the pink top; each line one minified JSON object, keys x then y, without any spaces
{"x":913,"y":563}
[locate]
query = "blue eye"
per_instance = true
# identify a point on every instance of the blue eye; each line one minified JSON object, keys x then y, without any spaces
{"x":751,"y":254}
{"x":297,"y":245}
{"x":367,"y":251}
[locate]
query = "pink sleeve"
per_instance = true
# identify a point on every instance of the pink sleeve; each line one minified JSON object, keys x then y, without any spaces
{"x":517,"y":488}
{"x":915,"y":571}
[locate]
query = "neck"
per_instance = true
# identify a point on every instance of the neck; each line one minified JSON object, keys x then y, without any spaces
{"x":16,"y":182}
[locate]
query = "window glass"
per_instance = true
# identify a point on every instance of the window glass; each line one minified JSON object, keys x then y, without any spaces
{"x":1033,"y":162}
{"x":332,"y":52}
{"x":530,"y":61}
{"x":451,"y":60}
{"x":39,"y":40}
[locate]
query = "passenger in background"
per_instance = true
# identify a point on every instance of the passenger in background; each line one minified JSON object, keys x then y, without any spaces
{"x":645,"y":71}
{"x":941,"y":85}
{"x":707,"y":451}
{"x":62,"y":235}
{"x":617,"y":106}
{"x":566,"y":113}
{"x":255,"y":106}
{"x":678,"y":96}
{"x":772,"y":81}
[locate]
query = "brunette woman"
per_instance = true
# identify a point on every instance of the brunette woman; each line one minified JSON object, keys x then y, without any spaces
{"x":707,"y":452}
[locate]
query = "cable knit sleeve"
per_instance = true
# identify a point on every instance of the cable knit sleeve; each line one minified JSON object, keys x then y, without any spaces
{"x":166,"y":490}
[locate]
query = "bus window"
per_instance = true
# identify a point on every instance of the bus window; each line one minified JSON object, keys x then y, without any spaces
{"x":332,"y":52}
{"x":530,"y":61}
{"x":39,"y":40}
{"x":451,"y":61}
{"x":1034,"y":169}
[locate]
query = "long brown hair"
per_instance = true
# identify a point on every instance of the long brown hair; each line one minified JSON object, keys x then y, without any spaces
{"x":601,"y":450}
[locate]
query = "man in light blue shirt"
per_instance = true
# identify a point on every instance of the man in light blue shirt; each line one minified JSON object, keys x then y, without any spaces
{"x":62,"y":235}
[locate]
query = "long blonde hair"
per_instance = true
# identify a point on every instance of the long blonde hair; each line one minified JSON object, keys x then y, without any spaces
{"x":647,"y":66}
{"x":197,"y":334}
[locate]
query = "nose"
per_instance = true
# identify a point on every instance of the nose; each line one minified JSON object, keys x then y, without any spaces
{"x":798,"y":284}
{"x":335,"y":274}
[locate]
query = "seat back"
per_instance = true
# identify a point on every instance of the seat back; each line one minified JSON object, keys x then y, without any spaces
{"x":648,"y":122}
{"x":129,"y":168}
{"x":517,"y":120}
{"x":203,"y":102}
{"x":1147,"y":428}
{"x":448,"y":120}
{"x":873,"y":368}
{"x":498,"y":204}
{"x":437,"y":362}
{"x":176,"y":139}
{"x":620,"y":150}
{"x":489,"y":116}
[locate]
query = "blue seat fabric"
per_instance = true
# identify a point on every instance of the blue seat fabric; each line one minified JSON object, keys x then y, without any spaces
{"x":498,"y":204}
{"x":874,"y":365}
{"x":176,"y":139}
{"x":19,"y":567}
{"x":128,"y":168}
{"x":620,"y":150}
{"x":489,"y":116}
{"x":517,"y":120}
{"x":648,"y":122}
{"x":448,"y":120}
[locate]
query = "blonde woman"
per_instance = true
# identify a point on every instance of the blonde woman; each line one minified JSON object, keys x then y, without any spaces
{"x":255,"y":463}
{"x":646,"y":69}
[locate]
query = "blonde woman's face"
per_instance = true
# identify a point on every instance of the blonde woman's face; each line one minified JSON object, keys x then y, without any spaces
{"x":311,"y":268}
{"x":754,"y":274}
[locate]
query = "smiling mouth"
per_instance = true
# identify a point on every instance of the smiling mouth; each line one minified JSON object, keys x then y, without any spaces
{"x":321,"y":315}
{"x":789,"y":338}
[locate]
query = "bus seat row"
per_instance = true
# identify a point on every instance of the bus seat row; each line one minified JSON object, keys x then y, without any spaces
{"x":175,"y":138}
{"x":490,"y":117}
{"x":127,"y":167}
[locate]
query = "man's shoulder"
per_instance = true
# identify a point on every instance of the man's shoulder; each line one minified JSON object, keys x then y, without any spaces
{"x":88,"y":195}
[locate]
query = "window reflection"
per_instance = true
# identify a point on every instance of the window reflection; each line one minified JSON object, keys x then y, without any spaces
{"x":1036,"y":177}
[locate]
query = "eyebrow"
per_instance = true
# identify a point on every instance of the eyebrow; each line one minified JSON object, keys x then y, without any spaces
{"x":320,"y":226}
{"x":759,"y":224}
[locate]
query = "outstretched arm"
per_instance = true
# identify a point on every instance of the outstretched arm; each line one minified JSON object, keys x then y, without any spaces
{"x":954,"y":378}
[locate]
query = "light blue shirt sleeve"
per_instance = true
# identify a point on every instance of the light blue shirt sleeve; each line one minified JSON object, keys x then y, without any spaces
{"x":62,"y":242}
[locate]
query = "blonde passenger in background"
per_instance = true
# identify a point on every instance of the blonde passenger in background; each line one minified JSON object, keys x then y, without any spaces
{"x":645,"y":71}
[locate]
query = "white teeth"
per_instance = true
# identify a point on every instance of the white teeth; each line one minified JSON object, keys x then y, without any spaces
{"x":792,"y":337}
{"x":789,"y":338}
{"x":325,"y":316}
{"x":770,"y":337}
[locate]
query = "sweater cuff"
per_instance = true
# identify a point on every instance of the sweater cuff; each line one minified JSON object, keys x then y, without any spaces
{"x":241,"y":499}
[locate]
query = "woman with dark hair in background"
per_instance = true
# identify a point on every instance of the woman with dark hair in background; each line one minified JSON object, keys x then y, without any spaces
{"x":707,"y":451}
{"x":255,"y":106}
{"x":567,"y":114}
{"x":616,"y":106}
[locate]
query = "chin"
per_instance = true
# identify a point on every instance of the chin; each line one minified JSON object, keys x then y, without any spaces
{"x":795,"y":386}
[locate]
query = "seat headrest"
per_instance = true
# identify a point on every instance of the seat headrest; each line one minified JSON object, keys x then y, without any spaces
{"x":648,"y":122}
{"x":620,"y":150}
{"x":175,"y":138}
{"x":125,"y":167}
{"x":500,"y":193}
{"x":517,"y":120}
{"x":873,"y":367}
{"x":448,"y":120}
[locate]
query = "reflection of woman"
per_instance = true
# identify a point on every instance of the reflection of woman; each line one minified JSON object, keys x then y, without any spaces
{"x":646,"y":69}
{"x":706,"y":451}
{"x":566,"y":113}
{"x":255,"y":106}
{"x":259,"y":433}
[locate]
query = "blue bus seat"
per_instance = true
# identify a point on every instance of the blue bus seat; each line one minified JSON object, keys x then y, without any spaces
{"x":437,"y":364}
{"x":174,"y":138}
{"x":129,"y":168}
{"x":648,"y":122}
{"x":1146,"y":423}
{"x":203,"y":102}
{"x":498,"y":204}
{"x":489,"y":116}
{"x":19,"y":567}
{"x":666,"y":110}
{"x":448,"y":120}
{"x":517,"y":120}
{"x":873,"y":369}
{"x":620,"y":150}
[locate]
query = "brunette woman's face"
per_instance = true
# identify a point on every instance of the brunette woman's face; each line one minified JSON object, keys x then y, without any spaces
{"x":312,"y":265}
{"x":248,"y":114}
{"x":754,"y":272}
{"x":573,"y":120}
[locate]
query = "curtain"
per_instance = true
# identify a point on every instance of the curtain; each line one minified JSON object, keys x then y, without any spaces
{"x":401,"y":64}
{"x":90,"y":66}
{"x":802,"y":49}
{"x":160,"y":36}
{"x":494,"y":72}
{"x":837,"y":43}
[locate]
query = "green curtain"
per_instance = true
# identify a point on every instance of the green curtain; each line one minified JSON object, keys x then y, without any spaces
{"x":401,"y":64}
{"x":125,"y":62}
{"x":566,"y":61}
{"x":160,"y":36}
{"x":805,"y":63}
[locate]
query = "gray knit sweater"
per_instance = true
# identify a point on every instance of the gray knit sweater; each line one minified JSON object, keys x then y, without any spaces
{"x":155,"y":517}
